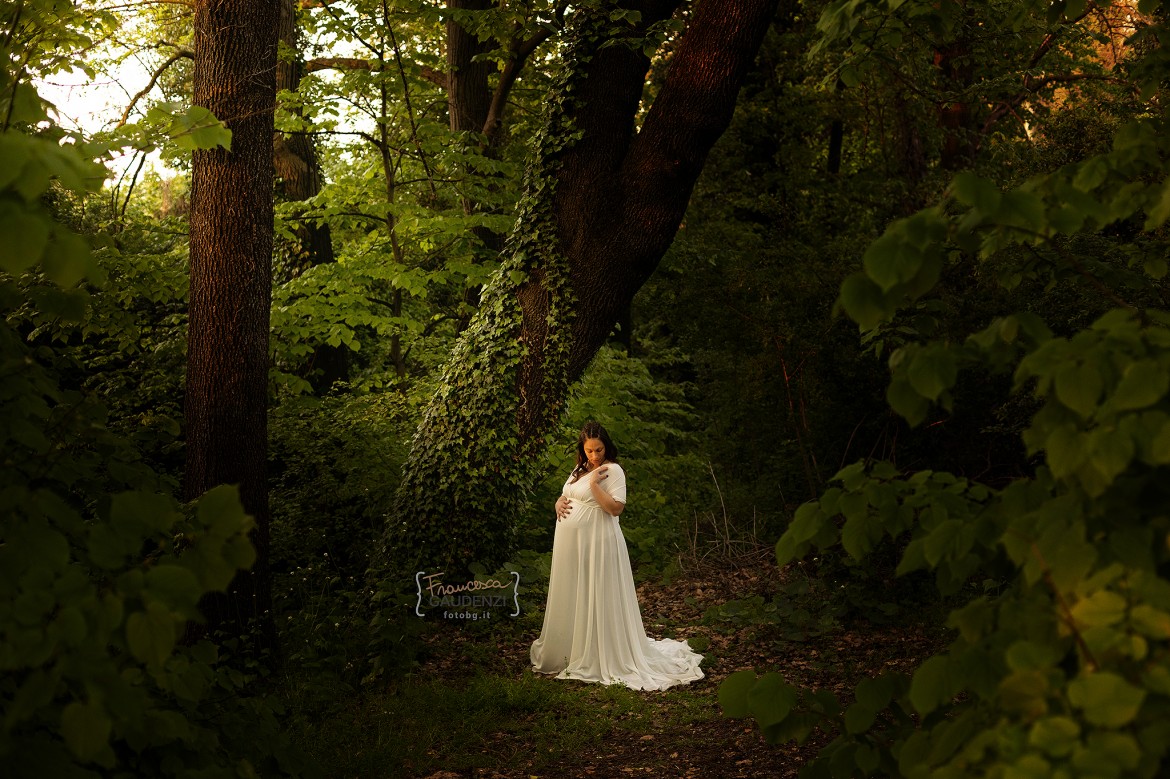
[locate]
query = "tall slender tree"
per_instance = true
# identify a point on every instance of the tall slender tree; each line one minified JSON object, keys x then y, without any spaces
{"x":235,"y":44}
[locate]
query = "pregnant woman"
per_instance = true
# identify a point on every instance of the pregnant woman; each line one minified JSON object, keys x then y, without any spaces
{"x":592,"y":624}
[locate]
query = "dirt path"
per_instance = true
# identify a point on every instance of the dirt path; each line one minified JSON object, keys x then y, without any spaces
{"x":702,"y":743}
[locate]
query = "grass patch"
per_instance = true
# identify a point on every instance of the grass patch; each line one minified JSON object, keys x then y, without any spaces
{"x":486,"y":721}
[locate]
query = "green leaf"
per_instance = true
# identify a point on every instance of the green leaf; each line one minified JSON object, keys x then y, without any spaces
{"x":976,"y":191}
{"x":1107,"y":699}
{"x":1065,"y":450}
{"x":1159,"y":212}
{"x":733,"y":694}
{"x":1055,"y":735}
{"x":860,"y":533}
{"x":25,"y":237}
{"x":1150,"y":621}
{"x":863,"y":300}
{"x":176,"y":586}
{"x":806,"y":524}
{"x":67,"y":259}
{"x":1110,"y":452}
{"x":771,"y":700}
{"x":151,"y":634}
{"x":1022,"y":209}
{"x":1025,"y":655}
{"x":1108,"y":754}
{"x":1025,"y":692}
{"x":1029,"y":767}
{"x":199,"y":129}
{"x":889,"y":261}
{"x":931,"y":686}
{"x":1079,"y":387}
{"x":876,"y":693}
{"x":136,"y":515}
{"x":932,"y":371}
{"x":948,"y":539}
{"x":1091,"y":173}
{"x":859,"y":718}
{"x":906,"y":400}
{"x":86,"y":729}
{"x":222,"y":513}
{"x":1143,"y":383}
{"x":1101,"y":609}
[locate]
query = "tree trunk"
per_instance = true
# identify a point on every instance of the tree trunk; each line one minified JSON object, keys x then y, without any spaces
{"x":469,"y":98}
{"x":597,"y":215}
{"x":298,"y":178}
{"x":468,"y":94}
{"x":231,"y":272}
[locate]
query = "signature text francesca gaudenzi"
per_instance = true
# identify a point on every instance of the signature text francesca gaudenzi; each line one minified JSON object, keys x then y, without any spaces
{"x":471,"y":596}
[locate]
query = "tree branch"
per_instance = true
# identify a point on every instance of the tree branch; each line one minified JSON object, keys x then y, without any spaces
{"x":521,"y":51}
{"x":178,"y":55}
{"x":433,"y":75}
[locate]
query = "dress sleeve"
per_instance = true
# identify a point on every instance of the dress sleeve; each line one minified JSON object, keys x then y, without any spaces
{"x":615,"y":485}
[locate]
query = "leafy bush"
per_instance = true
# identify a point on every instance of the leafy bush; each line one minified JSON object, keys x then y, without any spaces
{"x":1064,"y":670}
{"x":101,"y":569}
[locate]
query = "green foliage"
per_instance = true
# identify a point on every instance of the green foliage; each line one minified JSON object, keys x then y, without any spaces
{"x":333,"y":468}
{"x":469,"y":465}
{"x":1059,"y":661}
{"x":653,"y":426}
{"x":101,"y":569}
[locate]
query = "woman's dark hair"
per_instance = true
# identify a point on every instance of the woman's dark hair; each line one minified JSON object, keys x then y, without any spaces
{"x":593,"y":430}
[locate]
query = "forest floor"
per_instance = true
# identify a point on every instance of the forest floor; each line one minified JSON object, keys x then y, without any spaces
{"x":473,"y":709}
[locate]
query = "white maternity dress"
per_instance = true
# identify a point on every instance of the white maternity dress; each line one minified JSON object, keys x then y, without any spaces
{"x":592,"y":624}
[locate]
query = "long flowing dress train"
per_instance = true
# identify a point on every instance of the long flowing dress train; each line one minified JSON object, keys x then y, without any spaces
{"x":592,"y":623}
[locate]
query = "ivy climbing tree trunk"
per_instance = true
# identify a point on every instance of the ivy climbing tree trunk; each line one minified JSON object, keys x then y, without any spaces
{"x":601,"y":205}
{"x":231,"y":276}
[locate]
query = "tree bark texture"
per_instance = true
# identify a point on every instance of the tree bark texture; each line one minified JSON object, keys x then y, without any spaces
{"x":231,"y":272}
{"x":602,"y":204}
{"x":468,"y":95}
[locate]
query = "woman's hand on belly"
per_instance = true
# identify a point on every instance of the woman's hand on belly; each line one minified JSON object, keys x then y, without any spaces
{"x":564,"y":507}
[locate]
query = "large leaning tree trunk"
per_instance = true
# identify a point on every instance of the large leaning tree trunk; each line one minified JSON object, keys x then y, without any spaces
{"x":231,"y":272}
{"x":601,"y":205}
